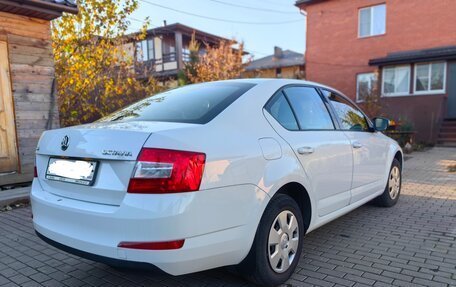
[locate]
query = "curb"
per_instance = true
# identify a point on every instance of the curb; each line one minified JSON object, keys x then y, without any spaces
{"x":14,"y":195}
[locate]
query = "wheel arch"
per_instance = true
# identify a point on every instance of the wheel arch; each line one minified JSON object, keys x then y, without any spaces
{"x":299,"y":194}
{"x":400,"y":157}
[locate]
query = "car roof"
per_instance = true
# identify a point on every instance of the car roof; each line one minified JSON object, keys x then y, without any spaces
{"x":282,"y":82}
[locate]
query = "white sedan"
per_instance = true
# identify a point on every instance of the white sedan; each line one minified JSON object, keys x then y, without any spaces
{"x":215,"y":174}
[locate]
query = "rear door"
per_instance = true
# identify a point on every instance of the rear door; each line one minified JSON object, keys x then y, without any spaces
{"x":370,"y":148}
{"x":324,"y":152}
{"x":8,"y":149}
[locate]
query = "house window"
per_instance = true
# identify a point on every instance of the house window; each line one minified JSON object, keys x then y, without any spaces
{"x":430,"y":78}
{"x":169,"y":50}
{"x":145,"y":50}
{"x":141,"y":51}
{"x":396,"y":81}
{"x":372,"y":21}
{"x":186,"y":54}
{"x":278,"y":72}
{"x":150,"y":49}
{"x":365,"y":85}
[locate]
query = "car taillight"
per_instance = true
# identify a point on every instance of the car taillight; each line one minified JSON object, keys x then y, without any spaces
{"x":167,"y":171}
{"x":35,"y":172}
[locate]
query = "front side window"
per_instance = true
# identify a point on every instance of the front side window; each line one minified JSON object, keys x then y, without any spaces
{"x":372,"y":21}
{"x":280,"y":109}
{"x":197,"y":104}
{"x":396,"y":80}
{"x":309,"y":108}
{"x":350,"y":117}
{"x":430,"y":78}
{"x":365,"y":86}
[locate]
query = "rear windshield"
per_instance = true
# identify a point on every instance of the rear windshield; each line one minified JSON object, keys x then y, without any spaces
{"x":197,"y":104}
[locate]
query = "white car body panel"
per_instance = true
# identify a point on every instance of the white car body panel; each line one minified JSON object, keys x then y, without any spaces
{"x":249,"y":157}
{"x":368,"y":168}
{"x":199,"y":217}
{"x":332,"y":154}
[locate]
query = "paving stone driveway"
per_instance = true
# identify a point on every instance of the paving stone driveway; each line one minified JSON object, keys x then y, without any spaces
{"x":411,"y":244}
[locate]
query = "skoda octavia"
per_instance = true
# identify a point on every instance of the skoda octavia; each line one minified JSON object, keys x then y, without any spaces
{"x":214,"y":174}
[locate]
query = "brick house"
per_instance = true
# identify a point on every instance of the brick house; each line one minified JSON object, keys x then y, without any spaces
{"x":27,"y":102}
{"x":282,"y":64}
{"x":405,"y":50}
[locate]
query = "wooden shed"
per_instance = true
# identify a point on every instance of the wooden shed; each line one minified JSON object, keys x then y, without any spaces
{"x":27,"y":102}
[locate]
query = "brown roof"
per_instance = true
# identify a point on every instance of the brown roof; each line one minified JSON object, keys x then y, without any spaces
{"x":287,"y":58}
{"x":306,"y":2}
{"x":187,"y":31}
{"x":42,"y":9}
{"x":413,"y":56}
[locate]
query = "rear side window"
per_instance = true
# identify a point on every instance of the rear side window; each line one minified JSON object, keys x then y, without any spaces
{"x":350,"y":117}
{"x":309,"y":108}
{"x":197,"y":104}
{"x":279,"y":108}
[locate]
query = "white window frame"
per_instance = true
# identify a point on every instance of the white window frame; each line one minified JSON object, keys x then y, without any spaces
{"x":400,"y":93}
{"x":146,"y":48}
{"x":140,"y":57}
{"x":358,"y":100}
{"x":429,"y":92}
{"x":149,"y":55}
{"x":371,"y":8}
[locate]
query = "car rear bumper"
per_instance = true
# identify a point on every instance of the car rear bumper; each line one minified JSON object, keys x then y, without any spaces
{"x":218,"y":226}
{"x":106,"y":260}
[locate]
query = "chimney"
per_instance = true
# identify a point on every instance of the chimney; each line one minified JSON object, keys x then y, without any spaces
{"x":278,"y":53}
{"x":164,"y":23}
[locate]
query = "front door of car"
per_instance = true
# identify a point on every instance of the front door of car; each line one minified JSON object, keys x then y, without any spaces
{"x":370,"y":148}
{"x":325,"y":154}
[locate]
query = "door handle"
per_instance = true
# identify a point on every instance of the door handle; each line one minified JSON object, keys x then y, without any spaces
{"x":357,"y":144}
{"x":305,"y":150}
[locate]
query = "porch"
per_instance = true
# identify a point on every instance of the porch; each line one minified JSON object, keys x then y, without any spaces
{"x":419,"y":86}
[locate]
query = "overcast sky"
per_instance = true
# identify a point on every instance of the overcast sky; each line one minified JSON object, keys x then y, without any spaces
{"x":250,"y":19}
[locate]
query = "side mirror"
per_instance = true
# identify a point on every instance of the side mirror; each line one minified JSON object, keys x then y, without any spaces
{"x":381,"y":124}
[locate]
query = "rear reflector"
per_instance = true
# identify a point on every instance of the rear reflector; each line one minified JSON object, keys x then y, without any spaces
{"x":166,"y":245}
{"x":167,"y":171}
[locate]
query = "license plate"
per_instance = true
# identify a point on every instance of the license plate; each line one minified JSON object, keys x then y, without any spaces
{"x":71,"y":170}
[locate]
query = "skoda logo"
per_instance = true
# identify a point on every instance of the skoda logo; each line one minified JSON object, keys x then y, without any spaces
{"x":65,"y":143}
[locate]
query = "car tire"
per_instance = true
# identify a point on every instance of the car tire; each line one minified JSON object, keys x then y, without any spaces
{"x":392,"y":191}
{"x":277,"y":247}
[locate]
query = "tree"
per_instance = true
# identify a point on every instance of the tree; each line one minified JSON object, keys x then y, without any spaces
{"x":372,"y":102}
{"x":189,"y":70}
{"x":219,"y":62}
{"x":95,"y":62}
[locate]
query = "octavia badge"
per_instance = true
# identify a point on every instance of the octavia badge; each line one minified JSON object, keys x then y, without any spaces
{"x":65,"y":143}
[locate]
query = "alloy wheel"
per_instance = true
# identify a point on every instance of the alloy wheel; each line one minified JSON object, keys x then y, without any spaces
{"x":394,"y":183}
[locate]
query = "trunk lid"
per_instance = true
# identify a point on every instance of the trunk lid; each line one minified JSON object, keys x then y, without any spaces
{"x":114,"y":146}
